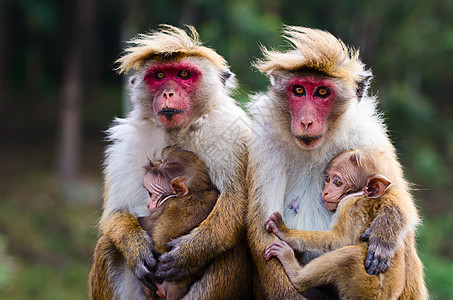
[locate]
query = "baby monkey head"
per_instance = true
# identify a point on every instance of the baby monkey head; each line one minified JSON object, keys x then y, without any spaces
{"x":352,"y":173}
{"x":176,"y":173}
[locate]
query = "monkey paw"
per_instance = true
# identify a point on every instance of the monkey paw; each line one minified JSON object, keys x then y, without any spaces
{"x":144,"y":266}
{"x":378,"y":258}
{"x":279,"y":249}
{"x":173,"y":265}
{"x":275,"y":223}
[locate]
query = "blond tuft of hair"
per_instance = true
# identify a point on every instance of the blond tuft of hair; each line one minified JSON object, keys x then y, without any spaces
{"x":316,"y":50}
{"x":167,"y":42}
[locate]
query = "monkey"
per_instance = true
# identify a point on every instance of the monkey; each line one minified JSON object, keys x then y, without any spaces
{"x":180,"y":92}
{"x":356,"y":186}
{"x":317,"y":105}
{"x":179,"y":190}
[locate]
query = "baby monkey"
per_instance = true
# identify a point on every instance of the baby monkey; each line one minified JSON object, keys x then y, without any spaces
{"x":181,"y":196}
{"x":357,"y":185}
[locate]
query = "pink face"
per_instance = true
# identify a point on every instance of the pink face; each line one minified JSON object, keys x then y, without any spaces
{"x":157,"y":188}
{"x":310,"y":101}
{"x":334,"y":189}
{"x":172,"y":86}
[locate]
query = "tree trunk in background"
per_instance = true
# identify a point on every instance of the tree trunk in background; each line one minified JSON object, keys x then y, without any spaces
{"x":74,"y":90}
{"x":2,"y":64}
{"x":131,"y":24}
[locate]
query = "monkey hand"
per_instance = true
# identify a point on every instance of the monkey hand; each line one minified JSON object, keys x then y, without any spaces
{"x":143,"y":263}
{"x":176,"y":264}
{"x":281,"y":250}
{"x":276,"y":225}
{"x":379,"y":255}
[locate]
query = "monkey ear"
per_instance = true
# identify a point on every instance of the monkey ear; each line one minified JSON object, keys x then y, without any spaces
{"x":272,"y":79}
{"x":363,"y":85}
{"x":376,"y":186}
{"x":229,"y":80}
{"x":132,"y":81}
{"x":178,"y":186}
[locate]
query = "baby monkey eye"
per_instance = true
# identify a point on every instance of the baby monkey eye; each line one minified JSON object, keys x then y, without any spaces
{"x":160,"y":75}
{"x":150,"y":194}
{"x":327,"y":179}
{"x":298,"y":90}
{"x":322,"y":92}
{"x":184,"y":74}
{"x":338,"y":182}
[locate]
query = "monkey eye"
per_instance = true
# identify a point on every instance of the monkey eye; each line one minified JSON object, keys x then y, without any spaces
{"x":322,"y":92}
{"x":338,"y":182}
{"x":327,"y":179}
{"x":184,"y":74}
{"x":150,"y":194}
{"x":298,"y":90}
{"x":160,"y":75}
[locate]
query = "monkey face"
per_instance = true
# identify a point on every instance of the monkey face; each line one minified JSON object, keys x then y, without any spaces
{"x":172,"y":86}
{"x":334,"y":189}
{"x":310,"y":101}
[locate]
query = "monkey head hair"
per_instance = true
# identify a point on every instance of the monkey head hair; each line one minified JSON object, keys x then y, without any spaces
{"x":176,"y":162}
{"x":167,"y":43}
{"x":313,"y":49}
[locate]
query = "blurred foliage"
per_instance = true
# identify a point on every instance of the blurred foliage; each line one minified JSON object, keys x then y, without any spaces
{"x":47,"y":227}
{"x":436,"y":250}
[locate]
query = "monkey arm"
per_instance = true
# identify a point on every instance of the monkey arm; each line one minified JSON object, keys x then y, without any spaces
{"x":341,"y":234}
{"x":388,"y":229}
{"x":317,"y":241}
{"x":273,"y":281}
{"x":219,"y":232}
{"x":124,"y":231}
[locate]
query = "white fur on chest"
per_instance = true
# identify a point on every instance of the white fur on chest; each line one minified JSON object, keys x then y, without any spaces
{"x":217,"y":138}
{"x":296,"y":189}
{"x":133,"y":143}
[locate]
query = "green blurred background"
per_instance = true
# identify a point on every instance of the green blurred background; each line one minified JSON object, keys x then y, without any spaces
{"x":58,"y":94}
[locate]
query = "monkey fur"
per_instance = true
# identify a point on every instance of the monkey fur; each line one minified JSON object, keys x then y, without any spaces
{"x":344,"y":267}
{"x":216,"y":130}
{"x":284,"y":173}
{"x":177,"y":216}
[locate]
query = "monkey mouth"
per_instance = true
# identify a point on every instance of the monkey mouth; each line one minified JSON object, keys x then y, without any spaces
{"x":153,"y":205}
{"x":169,"y":112}
{"x":308,"y":140}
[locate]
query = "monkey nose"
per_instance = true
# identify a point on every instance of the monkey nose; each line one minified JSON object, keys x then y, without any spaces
{"x":168,"y":95}
{"x":306,"y":124}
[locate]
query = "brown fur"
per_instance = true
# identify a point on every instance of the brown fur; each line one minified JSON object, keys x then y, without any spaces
{"x":177,"y":216}
{"x":344,"y":266}
{"x":218,"y":244}
{"x":174,"y":218}
{"x":280,"y":170}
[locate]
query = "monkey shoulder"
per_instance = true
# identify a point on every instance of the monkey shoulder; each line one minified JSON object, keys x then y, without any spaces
{"x":359,"y":208}
{"x":204,"y":201}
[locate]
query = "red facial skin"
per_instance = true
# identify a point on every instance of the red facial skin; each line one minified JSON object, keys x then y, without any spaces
{"x":310,"y":109}
{"x":172,"y":92}
{"x":334,"y":190}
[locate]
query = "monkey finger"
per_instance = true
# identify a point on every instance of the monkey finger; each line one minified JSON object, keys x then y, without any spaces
{"x":270,"y":226}
{"x":270,"y":252}
{"x":365,"y":235}
{"x":146,"y":277}
{"x":374,"y":265}
{"x":149,"y":283}
{"x":167,"y":268}
{"x":276,"y":217}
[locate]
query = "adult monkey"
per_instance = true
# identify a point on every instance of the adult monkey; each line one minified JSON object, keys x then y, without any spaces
{"x":180,"y":95}
{"x":316,"y":107}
